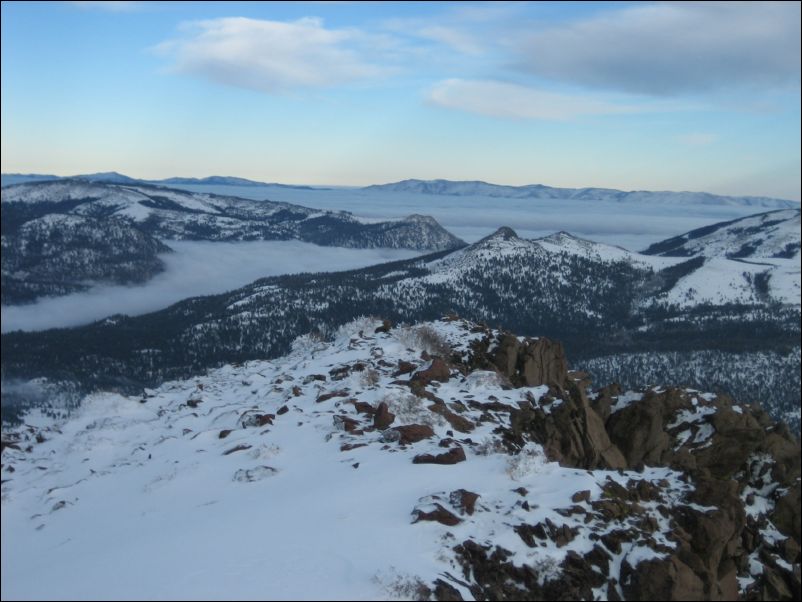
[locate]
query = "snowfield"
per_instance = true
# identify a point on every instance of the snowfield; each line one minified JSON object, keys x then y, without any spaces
{"x":268,"y":480}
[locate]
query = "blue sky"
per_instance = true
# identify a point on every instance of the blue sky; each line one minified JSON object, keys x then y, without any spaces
{"x":680,"y":96}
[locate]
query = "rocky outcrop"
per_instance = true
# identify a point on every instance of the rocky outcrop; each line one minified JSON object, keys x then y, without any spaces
{"x":532,"y":362}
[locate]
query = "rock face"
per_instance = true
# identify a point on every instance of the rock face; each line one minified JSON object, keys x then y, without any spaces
{"x":727,"y":451}
{"x":532,"y":363}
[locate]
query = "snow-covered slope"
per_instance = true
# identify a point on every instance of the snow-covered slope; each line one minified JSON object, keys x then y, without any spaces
{"x":539,"y":191}
{"x":751,"y":260}
{"x":775,"y":234}
{"x":359,"y":469}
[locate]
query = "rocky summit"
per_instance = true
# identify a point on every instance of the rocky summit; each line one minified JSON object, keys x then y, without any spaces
{"x":445,"y":461}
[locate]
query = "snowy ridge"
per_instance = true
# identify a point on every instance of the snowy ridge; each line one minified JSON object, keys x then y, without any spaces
{"x":391,"y":473}
{"x":775,"y":234}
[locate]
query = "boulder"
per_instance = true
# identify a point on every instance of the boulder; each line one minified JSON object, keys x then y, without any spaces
{"x":383,"y":417}
{"x":452,"y":456}
{"x":410,"y":433}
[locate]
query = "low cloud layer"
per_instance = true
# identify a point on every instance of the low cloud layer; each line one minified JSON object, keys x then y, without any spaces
{"x":196,"y":268}
{"x":271,"y":56}
{"x":672,"y":48}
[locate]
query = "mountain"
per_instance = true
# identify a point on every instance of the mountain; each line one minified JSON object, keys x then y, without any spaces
{"x":539,"y":191}
{"x":599,"y":300}
{"x":775,"y":234}
{"x":8,"y":179}
{"x":226,"y":181}
{"x":113,"y":177}
{"x":444,"y":461}
{"x":57,"y":254}
{"x":147,"y":212}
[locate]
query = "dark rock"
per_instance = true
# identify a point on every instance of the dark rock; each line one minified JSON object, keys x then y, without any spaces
{"x":668,"y":579}
{"x":452,"y":456}
{"x":340,"y":372}
{"x":410,"y":433}
{"x":282,"y":410}
{"x":438,"y":370}
{"x":464,"y":501}
{"x":404,"y":367}
{"x":457,"y":422}
{"x":252,"y":419}
{"x":331,"y":395}
{"x":531,"y":363}
{"x":786,"y":513}
{"x":439,"y":514}
{"x":383,"y":417}
{"x":349,"y":446}
{"x":386,"y":326}
{"x":581,"y":496}
{"x":364,"y":407}
{"x":346,"y":423}
{"x":443,"y":592}
{"x":224,"y":433}
{"x":241,"y":447}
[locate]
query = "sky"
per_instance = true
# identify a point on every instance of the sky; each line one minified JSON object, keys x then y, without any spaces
{"x":657,"y":96}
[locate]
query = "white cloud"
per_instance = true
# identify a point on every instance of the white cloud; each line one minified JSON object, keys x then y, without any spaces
{"x":502,"y":99}
{"x":672,"y":48}
{"x":271,"y":56}
{"x":697,"y":138}
{"x":196,"y":268}
{"x":456,"y":39}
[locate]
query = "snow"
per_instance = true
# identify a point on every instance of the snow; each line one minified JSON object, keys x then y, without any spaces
{"x":140,"y":497}
{"x":624,"y":400}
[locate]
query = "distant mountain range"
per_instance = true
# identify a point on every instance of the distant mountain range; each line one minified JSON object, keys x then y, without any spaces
{"x":113,"y":177}
{"x":451,"y":188}
{"x":598,"y":299}
{"x":539,"y":191}
{"x":59,"y":236}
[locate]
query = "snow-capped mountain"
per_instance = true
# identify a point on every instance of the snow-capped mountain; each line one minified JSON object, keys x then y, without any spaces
{"x":444,"y":461}
{"x":58,"y":254}
{"x":598,"y":299}
{"x":148,"y":212}
{"x":539,"y":191}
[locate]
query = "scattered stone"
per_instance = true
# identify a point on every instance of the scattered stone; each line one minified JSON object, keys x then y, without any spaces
{"x":224,"y":433}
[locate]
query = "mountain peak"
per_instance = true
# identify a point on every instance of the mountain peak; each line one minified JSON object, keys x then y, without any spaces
{"x":503,"y":233}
